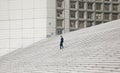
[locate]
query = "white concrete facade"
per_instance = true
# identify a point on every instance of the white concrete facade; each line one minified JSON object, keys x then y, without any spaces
{"x":51,"y":17}
{"x":22,"y":22}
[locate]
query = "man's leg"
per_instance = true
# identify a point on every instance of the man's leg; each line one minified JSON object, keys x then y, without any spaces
{"x":62,"y":45}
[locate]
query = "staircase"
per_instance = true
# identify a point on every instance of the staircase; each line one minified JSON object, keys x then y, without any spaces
{"x":91,"y":50}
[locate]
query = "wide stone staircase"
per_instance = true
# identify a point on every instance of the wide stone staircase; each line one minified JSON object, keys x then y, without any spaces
{"x":90,"y":50}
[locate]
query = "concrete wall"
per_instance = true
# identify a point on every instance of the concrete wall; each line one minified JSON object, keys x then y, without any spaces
{"x":22,"y":22}
{"x":51,"y":18}
{"x":67,"y":10}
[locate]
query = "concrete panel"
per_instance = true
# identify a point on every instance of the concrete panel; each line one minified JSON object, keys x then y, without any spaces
{"x":37,"y":39}
{"x":67,"y":25}
{"x":16,"y":24}
{"x":3,"y":5}
{"x":15,"y":4}
{"x":51,"y":26}
{"x":16,"y":14}
{"x":41,"y":32}
{"x":67,"y":14}
{"x":37,"y":3}
{"x":40,"y":23}
{"x":28,"y":14}
{"x":4,"y":43}
{"x":51,"y":4}
{"x":4,"y":24}
{"x":27,"y":4}
{"x":4,"y":15}
{"x":51,"y":8}
{"x":37,"y":13}
{"x":40,"y":13}
{"x":16,"y":33}
{"x":27,"y":33}
{"x":43,"y":4}
{"x":4,"y":34}
{"x":67,"y":7}
{"x":27,"y":42}
{"x":51,"y":13}
{"x":28,"y":23}
{"x":15,"y":43}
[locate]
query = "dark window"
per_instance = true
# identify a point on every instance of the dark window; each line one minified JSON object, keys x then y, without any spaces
{"x":59,"y":31}
{"x":81,"y":5}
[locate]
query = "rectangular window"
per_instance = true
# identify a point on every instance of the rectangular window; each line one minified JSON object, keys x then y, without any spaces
{"x":60,"y":3}
{"x":59,"y":13}
{"x":72,"y":4}
{"x":107,"y":0}
{"x":98,"y":16}
{"x":98,"y":6}
{"x":114,"y":16}
{"x":73,"y":14}
{"x":90,"y":6}
{"x":106,"y":16}
{"x":81,"y":5}
{"x":90,"y":15}
{"x":115,"y":0}
{"x":81,"y":15}
{"x":89,"y":24}
{"x":115,"y":7}
{"x":81,"y":24}
{"x":99,"y":0}
{"x":72,"y":23}
{"x":106,"y":7}
{"x":59,"y":31}
{"x":98,"y":22}
{"x":59,"y":23}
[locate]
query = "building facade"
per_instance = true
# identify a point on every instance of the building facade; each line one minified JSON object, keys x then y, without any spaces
{"x":23,"y":22}
{"x":77,"y":14}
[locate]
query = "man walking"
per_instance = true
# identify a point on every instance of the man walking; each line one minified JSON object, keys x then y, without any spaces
{"x":61,"y":42}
